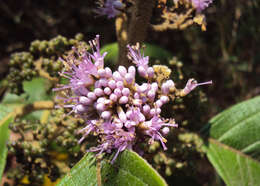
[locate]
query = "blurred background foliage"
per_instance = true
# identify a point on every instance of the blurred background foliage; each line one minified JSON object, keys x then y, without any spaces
{"x":228,"y":53}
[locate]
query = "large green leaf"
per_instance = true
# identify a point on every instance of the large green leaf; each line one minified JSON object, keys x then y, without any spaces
{"x":234,"y":143}
{"x":129,"y":169}
{"x":4,"y":135}
{"x":153,"y":51}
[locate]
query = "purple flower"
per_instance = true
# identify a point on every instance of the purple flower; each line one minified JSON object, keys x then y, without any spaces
{"x":191,"y":85}
{"x":115,"y":138}
{"x":116,"y":108}
{"x":96,"y":56}
{"x":139,"y":59}
{"x":110,"y":8}
{"x":152,"y":127}
{"x":201,"y":4}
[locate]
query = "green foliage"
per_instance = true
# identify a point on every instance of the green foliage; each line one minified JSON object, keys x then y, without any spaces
{"x":4,"y":135}
{"x":234,"y":167}
{"x":42,"y":57}
{"x":233,"y":145}
{"x":36,"y":89}
{"x":129,"y":169}
{"x":9,"y":103}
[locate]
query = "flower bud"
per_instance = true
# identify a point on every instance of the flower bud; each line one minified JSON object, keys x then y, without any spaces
{"x":113,"y":97}
{"x":79,"y":109}
{"x":108,"y":72}
{"x":117,"y":76}
{"x":101,"y":107}
{"x":123,"y":100}
{"x":120,"y":84}
{"x":131,"y":70}
{"x":129,"y":78}
{"x":166,"y":86}
{"x":136,"y":95}
{"x":143,"y":87}
{"x":146,"y":109}
{"x":102,"y":72}
{"x":164,"y":99}
{"x":101,"y":100}
{"x":151,"y":95}
{"x":117,"y":92}
{"x":122,"y":70}
{"x":121,"y":114}
{"x":154,"y":86}
{"x":92,"y":96}
{"x":106,"y":115}
{"x":150,"y":72}
{"x":107,"y":91}
{"x":125,"y":91}
{"x":84,"y":100}
{"x":103,"y":82}
{"x":165,"y":130}
{"x":99,"y":92}
{"x":112,"y":84}
{"x":158,"y":103}
{"x":153,"y":112}
{"x":142,"y":72}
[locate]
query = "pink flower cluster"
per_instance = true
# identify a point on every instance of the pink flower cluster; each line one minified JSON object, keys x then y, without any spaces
{"x":114,"y":106}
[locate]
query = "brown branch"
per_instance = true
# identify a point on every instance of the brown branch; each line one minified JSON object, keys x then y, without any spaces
{"x":44,"y":74}
{"x":121,"y":33}
{"x":28,"y":108}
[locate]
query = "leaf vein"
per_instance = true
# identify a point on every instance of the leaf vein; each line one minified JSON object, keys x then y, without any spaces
{"x":237,"y":125}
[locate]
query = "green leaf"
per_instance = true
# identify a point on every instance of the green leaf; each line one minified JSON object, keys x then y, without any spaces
{"x":153,"y":51}
{"x":234,"y":143}
{"x":4,"y":135}
{"x":9,"y":103}
{"x":129,"y":169}
{"x":36,"y":89}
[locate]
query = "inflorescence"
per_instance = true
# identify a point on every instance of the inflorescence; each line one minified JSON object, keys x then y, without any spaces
{"x":112,"y":8}
{"x":114,"y":106}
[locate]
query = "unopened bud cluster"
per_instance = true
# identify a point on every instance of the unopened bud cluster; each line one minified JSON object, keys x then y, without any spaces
{"x":114,"y":106}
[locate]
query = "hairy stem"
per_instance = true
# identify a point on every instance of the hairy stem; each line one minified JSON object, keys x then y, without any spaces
{"x":140,"y":20}
{"x":121,"y":33}
{"x":98,"y":169}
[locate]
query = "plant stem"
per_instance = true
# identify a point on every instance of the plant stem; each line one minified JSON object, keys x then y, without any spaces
{"x":28,"y":108}
{"x":98,"y":169}
{"x":121,"y":33}
{"x":137,"y":29}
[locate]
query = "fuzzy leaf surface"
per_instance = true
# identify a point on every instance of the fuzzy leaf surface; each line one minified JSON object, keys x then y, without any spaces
{"x":129,"y":169}
{"x":233,"y":143}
